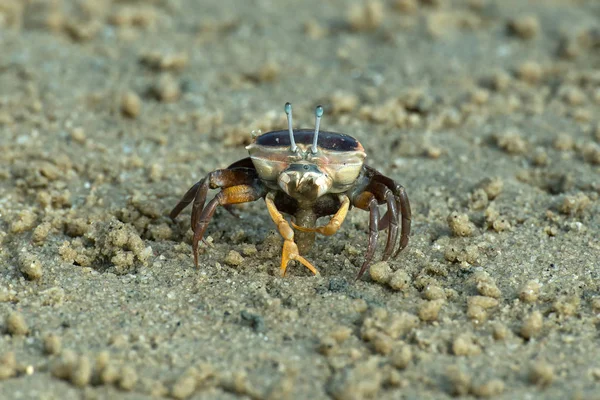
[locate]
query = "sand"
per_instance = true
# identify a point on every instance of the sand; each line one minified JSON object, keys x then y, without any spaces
{"x":486,"y":111}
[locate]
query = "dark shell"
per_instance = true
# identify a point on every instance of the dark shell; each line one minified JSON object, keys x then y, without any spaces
{"x":327,"y":140}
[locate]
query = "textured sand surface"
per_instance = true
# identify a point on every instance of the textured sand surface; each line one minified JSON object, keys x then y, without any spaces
{"x":488,"y":112}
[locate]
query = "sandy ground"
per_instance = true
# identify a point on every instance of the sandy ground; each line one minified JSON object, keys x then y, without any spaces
{"x":486,"y":111}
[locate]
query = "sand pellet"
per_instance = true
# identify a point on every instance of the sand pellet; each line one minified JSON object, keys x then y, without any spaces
{"x":488,"y":289}
{"x":500,"y":331}
{"x":167,"y":89}
{"x":591,"y":153}
{"x":434,"y":292}
{"x":512,"y":142}
{"x":463,"y":345}
{"x":41,"y":232}
{"x":185,"y":385}
{"x":460,"y":225}
{"x":128,"y":378}
{"x":532,"y":325}
{"x":234,"y":259}
{"x":400,"y":280}
{"x":16,"y":325}
{"x":574,"y":204}
{"x":52,"y":344}
{"x":30,"y":266}
{"x":380,"y":272}
{"x":530,"y":292}
{"x":541,"y":374}
{"x":401,"y":356}
{"x":525,"y":27}
{"x":8,"y":365}
{"x":429,"y":310}
{"x":460,"y":381}
{"x":23,"y":221}
{"x":365,"y":16}
{"x":81,"y":374}
{"x":530,"y":72}
{"x":494,"y":387}
{"x":406,"y":6}
{"x":131,"y":104}
{"x":382,"y":343}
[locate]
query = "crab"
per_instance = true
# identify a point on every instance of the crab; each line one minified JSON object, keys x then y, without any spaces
{"x":306,"y":174}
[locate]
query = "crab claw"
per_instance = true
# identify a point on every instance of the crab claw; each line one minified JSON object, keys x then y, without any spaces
{"x":289,"y":253}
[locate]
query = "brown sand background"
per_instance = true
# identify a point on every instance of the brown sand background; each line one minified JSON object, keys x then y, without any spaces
{"x":486,"y":111}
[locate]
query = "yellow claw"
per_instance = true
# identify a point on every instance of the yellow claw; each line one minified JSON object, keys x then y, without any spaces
{"x":334,"y":223}
{"x":289,"y":253}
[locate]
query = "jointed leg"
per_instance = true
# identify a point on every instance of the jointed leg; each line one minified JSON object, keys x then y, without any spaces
{"x":390,"y":219}
{"x":334,"y":223}
{"x":403,"y":204}
{"x":231,"y":195}
{"x":367,"y":201}
{"x":393,"y":225}
{"x":290,"y":249}
{"x":221,"y":178}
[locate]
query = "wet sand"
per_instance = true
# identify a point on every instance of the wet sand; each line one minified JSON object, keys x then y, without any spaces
{"x":486,"y":111}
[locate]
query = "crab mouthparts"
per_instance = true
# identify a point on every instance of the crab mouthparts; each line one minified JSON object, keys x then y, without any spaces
{"x":304,"y":185}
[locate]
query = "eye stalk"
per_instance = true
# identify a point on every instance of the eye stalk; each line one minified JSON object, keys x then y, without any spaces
{"x":318,"y":115}
{"x":288,"y":111}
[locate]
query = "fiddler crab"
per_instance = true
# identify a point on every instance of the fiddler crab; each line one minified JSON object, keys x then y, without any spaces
{"x":306,"y":174}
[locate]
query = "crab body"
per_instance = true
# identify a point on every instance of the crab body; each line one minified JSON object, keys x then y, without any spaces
{"x":306,"y":174}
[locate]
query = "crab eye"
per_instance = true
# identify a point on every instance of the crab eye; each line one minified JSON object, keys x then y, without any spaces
{"x":306,"y":167}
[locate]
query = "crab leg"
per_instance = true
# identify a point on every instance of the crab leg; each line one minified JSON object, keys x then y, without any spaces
{"x":221,"y":178}
{"x":290,"y":249}
{"x":406,"y":217}
{"x":186,"y":199}
{"x":390,"y":218}
{"x":367,"y":201}
{"x":334,"y":223}
{"x":403,"y":204}
{"x":230,"y":195}
{"x":392,"y":211}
